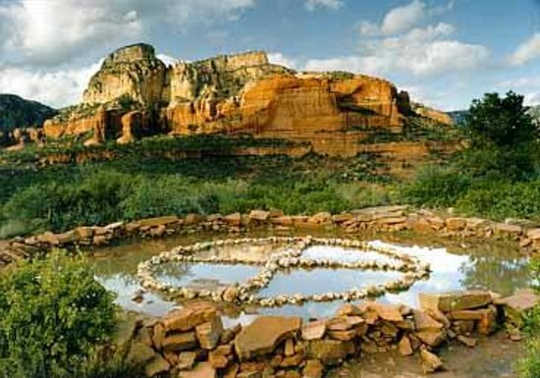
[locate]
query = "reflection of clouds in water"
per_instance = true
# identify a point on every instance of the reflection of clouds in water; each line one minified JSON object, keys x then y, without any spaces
{"x":125,"y":289}
{"x":446,"y":274}
{"x":320,"y":252}
{"x":324,"y":280}
{"x":186,"y":275}
{"x":480,"y":267}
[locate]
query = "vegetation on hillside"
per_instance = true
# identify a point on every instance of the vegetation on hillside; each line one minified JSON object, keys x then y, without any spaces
{"x":62,"y":197}
{"x":16,"y":112}
{"x":496,"y":176}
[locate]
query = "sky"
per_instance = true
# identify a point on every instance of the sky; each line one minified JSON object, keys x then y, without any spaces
{"x":444,"y":52}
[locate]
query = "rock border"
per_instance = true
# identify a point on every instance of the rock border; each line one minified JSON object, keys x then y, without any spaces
{"x":412,"y":268}
{"x":375,"y":219}
{"x":192,"y":342}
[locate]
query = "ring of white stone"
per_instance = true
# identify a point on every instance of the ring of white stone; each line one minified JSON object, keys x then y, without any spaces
{"x":245,"y":293}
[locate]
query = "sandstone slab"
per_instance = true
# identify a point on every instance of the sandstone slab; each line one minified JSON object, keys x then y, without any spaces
{"x":314,"y":330}
{"x":264,"y":334}
{"x":455,"y":301}
{"x":330,"y":352}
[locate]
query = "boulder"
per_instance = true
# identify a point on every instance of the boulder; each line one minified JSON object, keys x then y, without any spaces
{"x":488,"y":322}
{"x":201,"y":370}
{"x":387,"y":312}
{"x":432,"y":337}
{"x":187,"y":318}
{"x":455,"y":301}
{"x":158,"y":365}
{"x":404,"y":346}
{"x":259,"y":215}
{"x":425,"y":322}
{"x":330,"y":352}
{"x":313,"y":369}
{"x":430,"y":362}
{"x":186,"y":360}
{"x":178,"y":342}
{"x":209,"y":333}
{"x":154,"y":222}
{"x":516,"y":306}
{"x":314,"y":330}
{"x":456,"y":224}
{"x":140,"y":354}
{"x":264,"y":334}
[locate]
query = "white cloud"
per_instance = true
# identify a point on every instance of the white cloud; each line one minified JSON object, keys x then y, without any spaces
{"x":528,"y":50}
{"x":403,"y":18}
{"x":532,"y":99}
{"x":520,"y":83}
{"x":332,"y":4}
{"x":426,"y":51}
{"x":282,"y":60}
{"x":52,"y":31}
{"x":57,"y":88}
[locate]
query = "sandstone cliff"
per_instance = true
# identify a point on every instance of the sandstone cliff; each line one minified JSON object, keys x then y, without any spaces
{"x":240,"y":93}
{"x":433,"y":114}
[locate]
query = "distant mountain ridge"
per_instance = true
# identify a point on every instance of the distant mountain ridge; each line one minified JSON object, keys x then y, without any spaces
{"x":16,"y":112}
{"x":459,"y":115}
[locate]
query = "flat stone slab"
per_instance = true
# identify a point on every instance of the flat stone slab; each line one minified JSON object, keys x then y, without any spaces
{"x":264,"y":334}
{"x":522,"y":300}
{"x":516,"y":306}
{"x":161,"y":221}
{"x":455,"y":301}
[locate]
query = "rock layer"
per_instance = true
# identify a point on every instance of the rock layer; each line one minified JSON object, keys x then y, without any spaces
{"x":241,"y":93}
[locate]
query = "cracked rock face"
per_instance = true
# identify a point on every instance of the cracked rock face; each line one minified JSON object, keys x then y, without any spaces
{"x":234,"y":93}
{"x":133,"y":72}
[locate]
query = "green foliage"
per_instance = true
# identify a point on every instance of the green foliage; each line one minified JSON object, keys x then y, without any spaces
{"x":60,"y":198}
{"x":502,"y":122}
{"x":435,"y":186}
{"x":529,"y":367}
{"x":503,"y":137}
{"x":502,"y":199}
{"x":52,"y":316}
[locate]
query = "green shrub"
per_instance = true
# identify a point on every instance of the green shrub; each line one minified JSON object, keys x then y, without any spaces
{"x":529,"y":367}
{"x":52,"y":316}
{"x":167,"y":195}
{"x":499,"y":200}
{"x":435,"y":187}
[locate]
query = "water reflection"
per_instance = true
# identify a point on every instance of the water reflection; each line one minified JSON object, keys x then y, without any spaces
{"x":492,"y":266}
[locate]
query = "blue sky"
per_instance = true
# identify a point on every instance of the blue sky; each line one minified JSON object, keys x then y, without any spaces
{"x":445,"y":52}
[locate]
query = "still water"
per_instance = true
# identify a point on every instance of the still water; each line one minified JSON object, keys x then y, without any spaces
{"x":495,"y":266}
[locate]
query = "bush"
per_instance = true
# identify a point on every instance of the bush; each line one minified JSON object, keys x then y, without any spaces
{"x":529,"y":367}
{"x":499,"y":200}
{"x":52,"y":316}
{"x":435,"y":187}
{"x":165,"y":196}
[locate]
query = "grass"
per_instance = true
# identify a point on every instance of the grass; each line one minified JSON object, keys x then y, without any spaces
{"x":529,"y":366}
{"x":62,"y":197}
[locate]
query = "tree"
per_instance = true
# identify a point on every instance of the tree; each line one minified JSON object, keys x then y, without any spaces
{"x":503,"y":137}
{"x":500,"y":122}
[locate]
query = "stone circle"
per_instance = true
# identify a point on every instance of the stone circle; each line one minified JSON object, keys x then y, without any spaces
{"x":292,"y":257}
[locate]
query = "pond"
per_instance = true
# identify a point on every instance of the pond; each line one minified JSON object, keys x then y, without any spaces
{"x":455,"y":265}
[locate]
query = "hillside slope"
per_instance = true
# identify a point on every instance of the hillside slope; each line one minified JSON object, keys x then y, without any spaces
{"x":16,"y":112}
